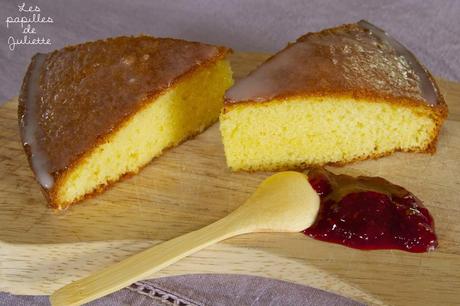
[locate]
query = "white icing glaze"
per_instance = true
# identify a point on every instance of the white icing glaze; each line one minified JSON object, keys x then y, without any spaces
{"x":39,"y":160}
{"x":429,"y":92}
{"x":263,"y":82}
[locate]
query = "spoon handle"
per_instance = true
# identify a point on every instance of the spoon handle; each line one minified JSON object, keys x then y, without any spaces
{"x":142,"y":265}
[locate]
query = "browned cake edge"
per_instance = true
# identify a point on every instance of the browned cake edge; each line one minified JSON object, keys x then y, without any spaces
{"x":61,"y":176}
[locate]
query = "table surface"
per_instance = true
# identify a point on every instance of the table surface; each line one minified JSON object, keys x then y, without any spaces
{"x":190,"y":186}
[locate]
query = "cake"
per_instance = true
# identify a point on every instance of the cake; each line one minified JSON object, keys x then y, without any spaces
{"x":92,"y":113}
{"x":333,"y":97}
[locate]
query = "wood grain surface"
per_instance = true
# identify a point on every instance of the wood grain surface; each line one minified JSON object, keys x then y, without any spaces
{"x":190,"y":186}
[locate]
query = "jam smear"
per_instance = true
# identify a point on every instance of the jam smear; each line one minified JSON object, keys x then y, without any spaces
{"x":370,"y":213}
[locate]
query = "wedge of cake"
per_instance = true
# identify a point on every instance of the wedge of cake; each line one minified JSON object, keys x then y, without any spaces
{"x":333,"y":97}
{"x":92,"y":113}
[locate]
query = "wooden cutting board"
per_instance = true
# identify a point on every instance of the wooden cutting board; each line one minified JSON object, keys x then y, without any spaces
{"x":190,"y":186}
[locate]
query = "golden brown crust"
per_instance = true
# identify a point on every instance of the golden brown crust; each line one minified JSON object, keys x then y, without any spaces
{"x":349,"y":60}
{"x":169,"y":60}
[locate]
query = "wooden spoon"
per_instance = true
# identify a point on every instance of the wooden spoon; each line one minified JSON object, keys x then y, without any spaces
{"x":284,"y":202}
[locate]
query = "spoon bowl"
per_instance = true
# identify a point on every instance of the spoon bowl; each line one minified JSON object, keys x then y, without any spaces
{"x":283,"y":202}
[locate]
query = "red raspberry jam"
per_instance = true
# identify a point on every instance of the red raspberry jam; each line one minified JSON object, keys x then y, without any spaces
{"x":370,"y":213}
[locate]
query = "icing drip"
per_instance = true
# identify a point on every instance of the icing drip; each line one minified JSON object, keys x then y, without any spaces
{"x":39,"y":161}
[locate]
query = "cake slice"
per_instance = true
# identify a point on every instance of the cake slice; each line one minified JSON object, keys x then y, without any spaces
{"x":92,"y":113}
{"x":333,"y":97}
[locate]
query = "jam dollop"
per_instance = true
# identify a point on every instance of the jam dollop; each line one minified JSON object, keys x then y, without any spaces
{"x":370,"y":213}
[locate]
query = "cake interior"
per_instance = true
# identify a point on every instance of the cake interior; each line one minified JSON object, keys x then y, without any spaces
{"x":186,"y":109}
{"x":282,"y":134}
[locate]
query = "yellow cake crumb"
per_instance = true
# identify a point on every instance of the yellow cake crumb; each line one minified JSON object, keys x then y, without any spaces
{"x":299,"y":132}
